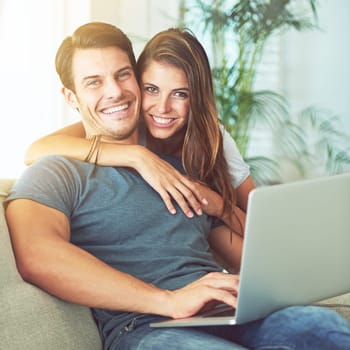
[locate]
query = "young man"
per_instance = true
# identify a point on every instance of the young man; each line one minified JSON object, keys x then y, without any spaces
{"x":101,"y":237}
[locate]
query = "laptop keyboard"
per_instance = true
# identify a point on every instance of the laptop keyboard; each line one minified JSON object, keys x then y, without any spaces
{"x":220,"y":310}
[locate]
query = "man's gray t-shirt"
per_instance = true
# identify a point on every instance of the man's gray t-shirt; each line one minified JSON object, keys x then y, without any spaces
{"x":116,"y":216}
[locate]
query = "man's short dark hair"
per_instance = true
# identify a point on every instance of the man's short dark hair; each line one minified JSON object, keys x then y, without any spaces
{"x":94,"y":35}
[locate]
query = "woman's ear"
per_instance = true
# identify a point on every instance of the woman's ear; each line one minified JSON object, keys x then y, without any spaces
{"x":70,"y":97}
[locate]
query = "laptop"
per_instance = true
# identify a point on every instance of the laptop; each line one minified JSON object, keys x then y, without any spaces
{"x":296,"y":250}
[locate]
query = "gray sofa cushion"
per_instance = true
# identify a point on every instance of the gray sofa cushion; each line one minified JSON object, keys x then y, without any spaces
{"x":32,"y":319}
{"x":340,"y":304}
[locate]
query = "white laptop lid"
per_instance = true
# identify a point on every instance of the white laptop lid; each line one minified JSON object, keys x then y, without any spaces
{"x":296,"y":248}
{"x":298,"y":245}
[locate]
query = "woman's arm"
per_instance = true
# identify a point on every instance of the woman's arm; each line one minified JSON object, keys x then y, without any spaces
{"x":226,"y":240}
{"x":243,"y":191}
{"x":171,"y":185}
{"x":239,"y":170}
{"x":226,"y":247}
{"x":214,"y":207}
{"x":68,"y":142}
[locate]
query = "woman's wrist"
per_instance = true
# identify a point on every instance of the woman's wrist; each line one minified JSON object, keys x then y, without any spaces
{"x":137,"y":154}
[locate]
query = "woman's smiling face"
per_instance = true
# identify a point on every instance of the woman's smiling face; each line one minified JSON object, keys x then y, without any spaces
{"x":165,"y":100}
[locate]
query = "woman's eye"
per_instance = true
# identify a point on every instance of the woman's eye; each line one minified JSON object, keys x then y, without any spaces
{"x":151,"y":89}
{"x":181,"y":94}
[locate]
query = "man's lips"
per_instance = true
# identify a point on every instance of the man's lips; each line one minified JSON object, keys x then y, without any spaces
{"x":115,"y":109}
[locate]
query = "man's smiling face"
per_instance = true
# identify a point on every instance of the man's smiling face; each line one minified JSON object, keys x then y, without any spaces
{"x":106,"y":93}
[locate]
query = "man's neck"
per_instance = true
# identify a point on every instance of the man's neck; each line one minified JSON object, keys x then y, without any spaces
{"x":131,"y":140}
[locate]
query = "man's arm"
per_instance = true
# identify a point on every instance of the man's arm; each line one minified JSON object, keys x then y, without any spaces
{"x":45,"y":257}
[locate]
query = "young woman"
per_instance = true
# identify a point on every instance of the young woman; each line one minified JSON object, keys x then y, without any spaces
{"x":179,"y":118}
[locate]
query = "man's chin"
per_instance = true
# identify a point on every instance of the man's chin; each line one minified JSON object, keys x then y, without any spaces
{"x":126,"y":135}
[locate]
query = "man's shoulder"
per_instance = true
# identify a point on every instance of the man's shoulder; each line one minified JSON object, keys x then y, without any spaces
{"x":51,"y":181}
{"x":53,"y":158}
{"x":51,"y":168}
{"x":58,"y":163}
{"x":51,"y":174}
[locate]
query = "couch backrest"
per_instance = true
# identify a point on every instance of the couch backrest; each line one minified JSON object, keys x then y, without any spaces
{"x":32,"y":319}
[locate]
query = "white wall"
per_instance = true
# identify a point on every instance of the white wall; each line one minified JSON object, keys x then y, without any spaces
{"x":31,"y":104}
{"x":139,"y":19}
{"x":317,"y":64}
{"x":316,"y":69}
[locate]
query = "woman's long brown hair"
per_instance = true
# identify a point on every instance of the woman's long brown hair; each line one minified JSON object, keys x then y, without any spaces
{"x":202,"y":153}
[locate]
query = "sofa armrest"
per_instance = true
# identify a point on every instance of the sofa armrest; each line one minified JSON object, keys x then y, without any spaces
{"x":32,"y":319}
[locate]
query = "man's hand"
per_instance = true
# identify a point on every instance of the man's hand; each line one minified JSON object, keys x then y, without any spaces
{"x":203,"y":294}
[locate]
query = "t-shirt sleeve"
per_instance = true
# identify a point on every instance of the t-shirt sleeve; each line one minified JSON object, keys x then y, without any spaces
{"x":238,"y":168}
{"x":49,"y":182}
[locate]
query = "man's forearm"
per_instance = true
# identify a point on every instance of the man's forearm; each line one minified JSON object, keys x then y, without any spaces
{"x":74,"y":275}
{"x":46,"y":258}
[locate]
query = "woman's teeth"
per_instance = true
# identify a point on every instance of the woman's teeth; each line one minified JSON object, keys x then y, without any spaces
{"x":163,"y":121}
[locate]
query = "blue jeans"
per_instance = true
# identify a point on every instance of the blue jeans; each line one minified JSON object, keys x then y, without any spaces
{"x":310,"y":327}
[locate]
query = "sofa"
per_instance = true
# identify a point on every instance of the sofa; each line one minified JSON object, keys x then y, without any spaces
{"x":31,"y":319}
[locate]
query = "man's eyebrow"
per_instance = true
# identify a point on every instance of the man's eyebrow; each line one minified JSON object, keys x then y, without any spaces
{"x":89,"y":77}
{"x":125,"y":68}
{"x":117,"y":72}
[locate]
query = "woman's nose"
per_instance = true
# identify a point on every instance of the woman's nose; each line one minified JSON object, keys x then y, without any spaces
{"x":164,"y":105}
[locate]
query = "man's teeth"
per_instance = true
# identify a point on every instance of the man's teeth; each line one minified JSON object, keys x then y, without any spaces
{"x":115,"y":109}
{"x":162,"y":120}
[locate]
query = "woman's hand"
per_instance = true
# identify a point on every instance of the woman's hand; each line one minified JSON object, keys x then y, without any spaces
{"x":170,"y":183}
{"x":213,"y":205}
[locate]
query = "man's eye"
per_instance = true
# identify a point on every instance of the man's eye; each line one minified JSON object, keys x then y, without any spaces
{"x":124,"y":75}
{"x":93,"y":83}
